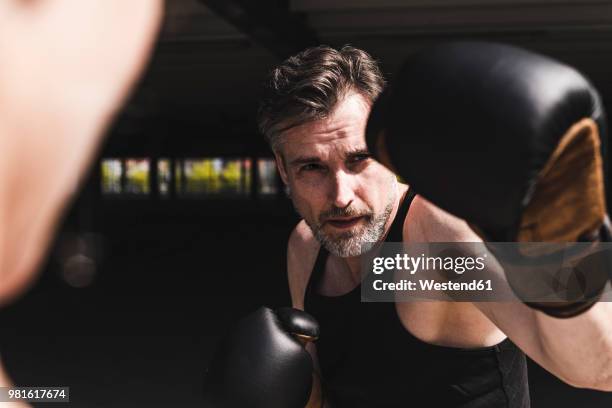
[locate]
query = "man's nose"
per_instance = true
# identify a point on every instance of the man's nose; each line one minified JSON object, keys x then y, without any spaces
{"x":343,"y":189}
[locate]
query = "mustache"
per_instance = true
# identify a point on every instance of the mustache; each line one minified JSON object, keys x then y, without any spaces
{"x":343,"y":212}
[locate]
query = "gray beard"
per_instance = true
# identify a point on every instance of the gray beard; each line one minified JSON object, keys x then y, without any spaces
{"x":357,"y":243}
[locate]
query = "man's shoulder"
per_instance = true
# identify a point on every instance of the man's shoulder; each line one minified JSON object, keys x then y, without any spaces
{"x":302,"y":238}
{"x":302,"y":251}
{"x":429,"y":223}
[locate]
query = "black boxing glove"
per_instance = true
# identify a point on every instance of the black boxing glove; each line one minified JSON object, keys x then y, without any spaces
{"x":509,"y":140}
{"x":262,"y":362}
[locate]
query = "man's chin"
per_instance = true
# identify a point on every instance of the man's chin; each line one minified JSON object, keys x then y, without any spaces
{"x":347,"y":249}
{"x":334,"y":235}
{"x":346,"y":244}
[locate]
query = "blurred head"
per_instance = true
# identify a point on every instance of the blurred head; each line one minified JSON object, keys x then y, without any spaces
{"x":53,"y":115}
{"x":314,"y":115}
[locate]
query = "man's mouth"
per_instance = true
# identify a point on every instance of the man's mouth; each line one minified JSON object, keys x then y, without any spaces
{"x":344,"y":222}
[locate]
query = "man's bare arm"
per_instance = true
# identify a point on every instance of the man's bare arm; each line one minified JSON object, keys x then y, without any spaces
{"x":302,"y":251}
{"x":577,"y":350}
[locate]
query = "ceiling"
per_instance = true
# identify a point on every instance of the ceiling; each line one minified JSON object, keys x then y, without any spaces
{"x":212,"y":55}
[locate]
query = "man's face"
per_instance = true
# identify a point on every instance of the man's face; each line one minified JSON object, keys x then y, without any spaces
{"x":344,"y":195}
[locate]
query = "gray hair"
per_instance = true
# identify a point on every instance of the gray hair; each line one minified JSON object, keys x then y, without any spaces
{"x":308,"y":85}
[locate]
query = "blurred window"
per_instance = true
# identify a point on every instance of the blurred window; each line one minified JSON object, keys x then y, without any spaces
{"x":164,"y":177}
{"x":111,"y":176}
{"x":247,"y":176}
{"x":216,"y":177}
{"x":137,"y":176}
{"x":267,"y":184}
{"x":205,"y":177}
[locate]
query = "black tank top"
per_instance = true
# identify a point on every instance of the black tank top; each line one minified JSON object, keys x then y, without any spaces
{"x":368,"y":359}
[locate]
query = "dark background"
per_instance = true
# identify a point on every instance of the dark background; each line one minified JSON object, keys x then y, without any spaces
{"x":169,"y":275}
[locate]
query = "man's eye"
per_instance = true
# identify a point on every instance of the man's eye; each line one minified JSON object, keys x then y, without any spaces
{"x":359,"y":158}
{"x":311,"y":167}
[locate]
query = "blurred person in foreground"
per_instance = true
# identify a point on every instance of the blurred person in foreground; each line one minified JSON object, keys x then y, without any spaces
{"x":67,"y":67}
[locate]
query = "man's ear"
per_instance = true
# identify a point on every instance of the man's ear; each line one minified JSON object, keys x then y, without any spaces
{"x":280,"y":165}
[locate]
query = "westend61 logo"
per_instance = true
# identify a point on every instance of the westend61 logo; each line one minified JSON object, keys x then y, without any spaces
{"x":478,"y":271}
{"x":412,"y":264}
{"x":429,"y":271}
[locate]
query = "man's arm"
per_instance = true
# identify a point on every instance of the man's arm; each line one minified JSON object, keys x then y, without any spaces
{"x":302,"y":251}
{"x":576,"y":350}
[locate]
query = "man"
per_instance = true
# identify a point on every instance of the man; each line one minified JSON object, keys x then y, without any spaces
{"x":347,"y":199}
{"x":67,"y":66}
{"x":316,"y":124}
{"x":446,"y":354}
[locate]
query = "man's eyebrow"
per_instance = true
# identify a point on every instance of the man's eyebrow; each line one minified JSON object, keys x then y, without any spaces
{"x":304,"y":160}
{"x":358,"y":152}
{"x":313,"y":159}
